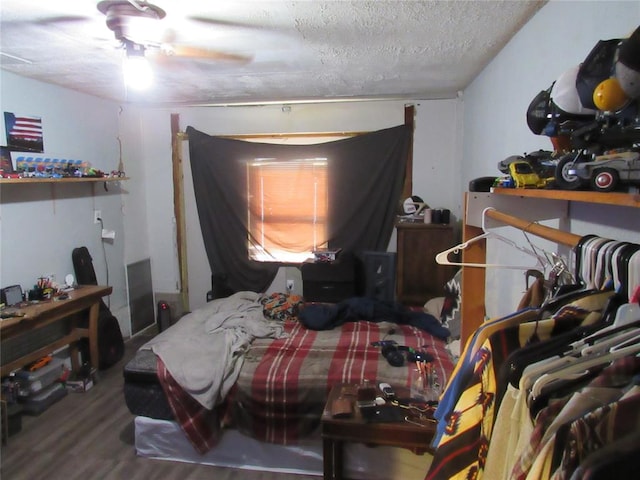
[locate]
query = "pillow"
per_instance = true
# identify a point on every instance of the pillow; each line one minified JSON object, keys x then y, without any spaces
{"x":434,"y":306}
{"x":450,"y":314}
{"x":281,"y":306}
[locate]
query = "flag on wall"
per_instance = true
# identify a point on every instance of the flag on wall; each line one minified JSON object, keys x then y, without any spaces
{"x":23,"y":132}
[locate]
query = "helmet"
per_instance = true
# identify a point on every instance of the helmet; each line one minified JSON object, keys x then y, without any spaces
{"x":628,"y":65}
{"x":609,"y":96}
{"x":598,"y":66}
{"x":629,"y":80}
{"x":413,"y":205}
{"x":539,"y":111}
{"x":564,"y":94}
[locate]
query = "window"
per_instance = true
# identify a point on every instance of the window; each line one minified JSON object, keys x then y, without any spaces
{"x":287,"y":208}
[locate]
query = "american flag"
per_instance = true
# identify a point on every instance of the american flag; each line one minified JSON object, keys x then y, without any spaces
{"x":26,"y":128}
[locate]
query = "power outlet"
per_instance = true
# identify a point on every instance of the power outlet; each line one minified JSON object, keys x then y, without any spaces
{"x":97,"y":216}
{"x":290,"y":285}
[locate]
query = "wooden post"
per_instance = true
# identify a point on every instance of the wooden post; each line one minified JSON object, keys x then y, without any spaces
{"x":178,"y":208}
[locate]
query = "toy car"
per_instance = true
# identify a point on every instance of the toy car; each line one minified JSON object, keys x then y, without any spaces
{"x":505,"y":181}
{"x":524,"y":176}
{"x":606,"y":172}
{"x":4,"y":174}
{"x":543,"y":162}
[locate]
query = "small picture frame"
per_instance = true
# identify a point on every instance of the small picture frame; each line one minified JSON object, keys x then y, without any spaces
{"x":6,"y":165}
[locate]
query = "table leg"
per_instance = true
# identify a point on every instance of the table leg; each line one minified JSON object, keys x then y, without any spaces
{"x":5,"y":422}
{"x":337,"y":460}
{"x":332,"y":457}
{"x":327,"y":458}
{"x":93,"y":334}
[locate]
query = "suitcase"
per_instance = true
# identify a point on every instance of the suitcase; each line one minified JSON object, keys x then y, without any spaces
{"x":110,"y":341}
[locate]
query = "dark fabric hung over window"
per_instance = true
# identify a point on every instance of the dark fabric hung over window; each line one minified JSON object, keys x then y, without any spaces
{"x":288,"y":205}
{"x":357,"y":185}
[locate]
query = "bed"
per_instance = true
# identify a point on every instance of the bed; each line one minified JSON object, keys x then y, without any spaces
{"x":273,"y":386}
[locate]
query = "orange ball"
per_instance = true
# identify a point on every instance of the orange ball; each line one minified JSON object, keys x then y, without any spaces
{"x":609,"y":96}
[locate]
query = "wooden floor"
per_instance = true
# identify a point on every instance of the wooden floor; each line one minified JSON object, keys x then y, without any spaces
{"x":90,"y":435}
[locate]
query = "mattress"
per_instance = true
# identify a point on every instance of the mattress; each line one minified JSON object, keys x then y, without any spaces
{"x":283,"y":384}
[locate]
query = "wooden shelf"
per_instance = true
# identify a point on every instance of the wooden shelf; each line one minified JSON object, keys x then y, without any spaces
{"x":614,"y":198}
{"x":61,"y":180}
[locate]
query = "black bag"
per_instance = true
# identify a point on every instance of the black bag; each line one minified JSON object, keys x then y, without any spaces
{"x":110,"y":341}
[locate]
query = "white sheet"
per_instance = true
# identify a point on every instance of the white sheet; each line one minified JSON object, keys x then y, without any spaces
{"x":161,"y":439}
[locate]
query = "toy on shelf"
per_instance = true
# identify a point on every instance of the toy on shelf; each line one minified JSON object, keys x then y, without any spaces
{"x":592,"y":115}
{"x":532,"y":170}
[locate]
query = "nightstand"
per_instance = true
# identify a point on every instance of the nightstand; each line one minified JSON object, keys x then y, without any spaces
{"x":329,"y":281}
{"x":338,"y":430}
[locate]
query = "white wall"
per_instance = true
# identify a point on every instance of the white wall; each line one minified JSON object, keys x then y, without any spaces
{"x":456,"y":140}
{"x":40,"y":224}
{"x":558,"y":37}
{"x":436,"y":161}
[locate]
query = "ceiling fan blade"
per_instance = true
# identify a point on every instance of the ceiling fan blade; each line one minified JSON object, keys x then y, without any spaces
{"x":62,"y":19}
{"x":222,"y":23}
{"x":185,"y":51}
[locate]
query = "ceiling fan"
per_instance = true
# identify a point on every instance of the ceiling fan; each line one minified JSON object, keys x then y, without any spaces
{"x":140,"y":22}
{"x":138,"y":26}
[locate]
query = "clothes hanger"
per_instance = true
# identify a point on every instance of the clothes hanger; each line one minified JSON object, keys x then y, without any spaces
{"x":608,"y":326}
{"x":602,"y":274}
{"x":575,"y":349}
{"x":609,"y":342}
{"x":579,"y":366}
{"x":621,"y":267}
{"x":442,"y":258}
{"x":626,"y":342}
{"x":592,"y":253}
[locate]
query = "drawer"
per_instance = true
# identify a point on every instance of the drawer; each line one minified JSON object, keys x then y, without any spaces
{"x":342,"y":270}
{"x":327,"y":291}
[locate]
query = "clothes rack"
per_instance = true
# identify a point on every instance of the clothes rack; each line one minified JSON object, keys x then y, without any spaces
{"x":473,"y":279}
{"x":548,"y":233}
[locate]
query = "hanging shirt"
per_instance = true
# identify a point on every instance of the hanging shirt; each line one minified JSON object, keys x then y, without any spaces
{"x":462,"y":448}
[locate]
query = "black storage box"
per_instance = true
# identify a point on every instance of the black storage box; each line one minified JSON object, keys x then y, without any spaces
{"x":330,"y":282}
{"x":143,"y":393}
{"x":379,"y":275}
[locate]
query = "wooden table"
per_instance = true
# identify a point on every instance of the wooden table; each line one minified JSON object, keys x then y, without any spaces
{"x":35,"y":316}
{"x":337,"y":431}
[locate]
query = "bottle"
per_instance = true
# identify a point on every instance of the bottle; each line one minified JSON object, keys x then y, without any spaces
{"x":12,"y":393}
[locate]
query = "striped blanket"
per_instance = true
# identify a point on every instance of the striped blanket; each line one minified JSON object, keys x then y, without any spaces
{"x":283,"y":383}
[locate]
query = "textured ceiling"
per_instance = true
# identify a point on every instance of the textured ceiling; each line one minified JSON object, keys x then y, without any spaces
{"x":298,"y":50}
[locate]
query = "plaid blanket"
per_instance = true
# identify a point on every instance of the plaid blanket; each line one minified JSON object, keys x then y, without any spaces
{"x":198,"y":424}
{"x":284,"y":383}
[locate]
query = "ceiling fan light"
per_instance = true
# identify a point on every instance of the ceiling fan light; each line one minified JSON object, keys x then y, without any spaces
{"x":137,"y":72}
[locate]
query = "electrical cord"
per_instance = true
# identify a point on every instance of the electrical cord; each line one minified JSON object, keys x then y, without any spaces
{"x":104,"y":255}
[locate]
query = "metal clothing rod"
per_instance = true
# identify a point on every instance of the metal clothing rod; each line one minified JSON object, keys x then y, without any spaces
{"x":548,"y":233}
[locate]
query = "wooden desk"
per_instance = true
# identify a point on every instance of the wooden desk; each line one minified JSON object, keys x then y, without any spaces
{"x":337,"y":431}
{"x":39,"y":315}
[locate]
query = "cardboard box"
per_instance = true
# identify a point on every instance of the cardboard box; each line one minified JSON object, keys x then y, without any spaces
{"x":79,"y":385}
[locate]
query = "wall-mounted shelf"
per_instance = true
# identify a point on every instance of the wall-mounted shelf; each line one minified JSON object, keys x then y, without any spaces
{"x":473,"y":279}
{"x":61,"y":180}
{"x":613,"y":198}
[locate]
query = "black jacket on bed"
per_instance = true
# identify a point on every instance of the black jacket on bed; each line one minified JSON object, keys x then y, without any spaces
{"x":325,"y":316}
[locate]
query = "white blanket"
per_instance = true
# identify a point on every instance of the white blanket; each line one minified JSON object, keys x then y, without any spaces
{"x":204,"y":350}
